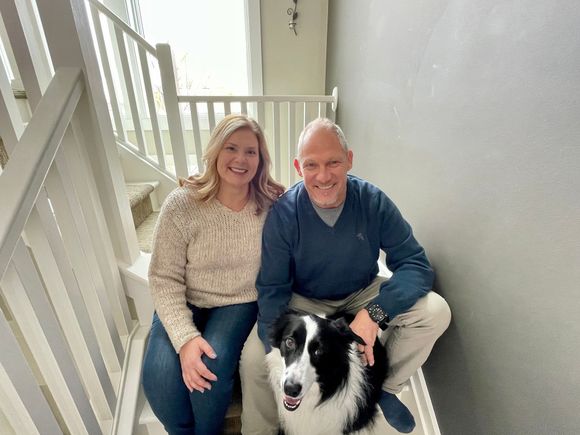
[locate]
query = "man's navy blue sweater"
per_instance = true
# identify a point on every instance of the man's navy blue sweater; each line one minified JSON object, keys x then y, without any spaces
{"x":302,"y":254}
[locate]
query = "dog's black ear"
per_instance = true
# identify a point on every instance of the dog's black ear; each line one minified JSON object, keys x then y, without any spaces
{"x":275,"y":333}
{"x":344,"y":329}
{"x":278,"y":327}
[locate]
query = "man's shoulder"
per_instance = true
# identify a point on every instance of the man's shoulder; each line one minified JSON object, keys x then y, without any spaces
{"x":363,"y":188}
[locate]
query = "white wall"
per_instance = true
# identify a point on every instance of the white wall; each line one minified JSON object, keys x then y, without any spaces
{"x":294,"y":64}
{"x":466,"y":114}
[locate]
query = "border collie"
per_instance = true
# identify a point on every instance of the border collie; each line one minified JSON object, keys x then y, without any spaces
{"x":320,"y":382}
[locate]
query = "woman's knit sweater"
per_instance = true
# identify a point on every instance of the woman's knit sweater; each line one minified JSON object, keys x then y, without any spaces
{"x":205,"y":254}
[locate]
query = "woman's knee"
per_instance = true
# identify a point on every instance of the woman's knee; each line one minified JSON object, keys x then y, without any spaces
{"x":161,"y":367}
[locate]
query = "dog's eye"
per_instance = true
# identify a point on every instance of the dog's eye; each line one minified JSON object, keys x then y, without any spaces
{"x":318,"y":352}
{"x":289,"y":342}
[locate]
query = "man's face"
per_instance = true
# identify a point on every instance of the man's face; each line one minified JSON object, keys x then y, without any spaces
{"x":324,"y":164}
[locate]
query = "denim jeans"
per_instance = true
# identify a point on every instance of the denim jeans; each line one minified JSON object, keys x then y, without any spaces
{"x":181,"y":412}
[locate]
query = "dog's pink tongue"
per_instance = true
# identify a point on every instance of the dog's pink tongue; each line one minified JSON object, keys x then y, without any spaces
{"x":291,"y":400}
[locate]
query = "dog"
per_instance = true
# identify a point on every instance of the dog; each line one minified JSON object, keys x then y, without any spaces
{"x":321,"y":383}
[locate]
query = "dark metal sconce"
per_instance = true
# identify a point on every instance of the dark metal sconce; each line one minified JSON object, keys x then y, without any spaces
{"x":294,"y":14}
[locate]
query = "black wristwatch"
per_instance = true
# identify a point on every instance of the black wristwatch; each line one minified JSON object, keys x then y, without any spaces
{"x":378,"y":315}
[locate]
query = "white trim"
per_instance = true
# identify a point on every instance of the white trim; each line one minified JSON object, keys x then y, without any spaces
{"x":424,"y":405}
{"x":125,"y":413}
{"x":254,"y":46}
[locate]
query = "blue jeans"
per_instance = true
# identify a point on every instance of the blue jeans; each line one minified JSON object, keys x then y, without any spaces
{"x":181,"y":412}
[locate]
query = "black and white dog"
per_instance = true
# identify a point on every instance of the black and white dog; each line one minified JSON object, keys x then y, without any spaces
{"x":321,"y":384}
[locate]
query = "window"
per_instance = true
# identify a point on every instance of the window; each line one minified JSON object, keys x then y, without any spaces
{"x":208,"y":40}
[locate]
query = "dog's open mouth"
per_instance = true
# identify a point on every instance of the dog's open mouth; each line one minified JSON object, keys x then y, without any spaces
{"x":291,"y":403}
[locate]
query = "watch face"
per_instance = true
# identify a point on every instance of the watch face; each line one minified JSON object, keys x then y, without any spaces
{"x":376,"y":313}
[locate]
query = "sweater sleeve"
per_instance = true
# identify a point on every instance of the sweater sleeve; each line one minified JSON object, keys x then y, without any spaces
{"x":167,"y":276}
{"x":405,"y":257}
{"x":274,"y":281}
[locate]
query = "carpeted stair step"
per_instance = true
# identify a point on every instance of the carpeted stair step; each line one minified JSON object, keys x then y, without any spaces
{"x":3,"y":155}
{"x":145,"y":232}
{"x":143,"y":202}
{"x":139,"y":195}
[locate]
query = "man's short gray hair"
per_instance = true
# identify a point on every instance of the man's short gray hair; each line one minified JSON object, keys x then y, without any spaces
{"x":326,"y":124}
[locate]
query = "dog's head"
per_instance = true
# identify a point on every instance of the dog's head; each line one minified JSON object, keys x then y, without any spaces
{"x":313,"y":349}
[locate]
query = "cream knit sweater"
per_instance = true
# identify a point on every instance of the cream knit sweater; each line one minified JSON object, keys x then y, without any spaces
{"x":205,"y":254}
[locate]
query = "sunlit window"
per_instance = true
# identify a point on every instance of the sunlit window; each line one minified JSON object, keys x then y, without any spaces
{"x":208,"y":40}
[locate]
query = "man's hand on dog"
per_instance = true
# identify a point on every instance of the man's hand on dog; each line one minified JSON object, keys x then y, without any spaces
{"x":365,"y":328}
{"x":194,"y":372}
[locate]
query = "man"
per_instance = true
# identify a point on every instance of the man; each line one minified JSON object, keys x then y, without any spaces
{"x":320,"y":247}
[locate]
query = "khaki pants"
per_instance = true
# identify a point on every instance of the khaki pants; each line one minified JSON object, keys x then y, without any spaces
{"x":408,"y":339}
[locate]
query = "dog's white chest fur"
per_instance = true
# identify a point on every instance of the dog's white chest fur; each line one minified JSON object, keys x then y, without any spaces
{"x":307,"y":419}
{"x":328,"y":418}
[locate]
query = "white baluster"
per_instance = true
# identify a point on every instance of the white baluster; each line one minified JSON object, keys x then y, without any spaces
{"x":21,"y":399}
{"x":277,"y":146}
{"x":196,"y":136}
{"x":32,"y":310}
{"x":152,"y":108}
{"x":174,"y":121}
{"x":130,"y":89}
{"x":291,"y":141}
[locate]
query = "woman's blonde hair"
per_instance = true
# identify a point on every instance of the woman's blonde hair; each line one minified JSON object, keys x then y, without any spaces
{"x":263,"y":188}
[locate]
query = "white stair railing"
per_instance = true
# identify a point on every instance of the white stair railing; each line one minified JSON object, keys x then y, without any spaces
{"x":187,"y":119}
{"x":124,"y":80}
{"x":62,"y":329}
{"x":281,"y":116}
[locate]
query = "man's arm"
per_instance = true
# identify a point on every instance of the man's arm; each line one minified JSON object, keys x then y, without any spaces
{"x":274,"y":282}
{"x":412,"y":273}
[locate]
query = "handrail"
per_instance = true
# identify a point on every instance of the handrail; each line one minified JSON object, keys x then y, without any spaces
{"x":130,"y":148}
{"x":124,"y":26}
{"x":256,"y":98}
{"x":25,"y":172}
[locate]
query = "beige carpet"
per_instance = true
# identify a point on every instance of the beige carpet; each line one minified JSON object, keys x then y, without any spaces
{"x":145,"y":232}
{"x":140,"y":201}
{"x":3,"y":155}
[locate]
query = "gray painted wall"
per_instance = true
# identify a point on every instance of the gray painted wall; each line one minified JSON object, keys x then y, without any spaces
{"x":467,"y":115}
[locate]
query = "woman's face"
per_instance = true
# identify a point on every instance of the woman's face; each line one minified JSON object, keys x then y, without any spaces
{"x":238,"y":160}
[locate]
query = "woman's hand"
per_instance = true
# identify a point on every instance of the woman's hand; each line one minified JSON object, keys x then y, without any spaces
{"x":194,"y":372}
{"x":367,"y":329}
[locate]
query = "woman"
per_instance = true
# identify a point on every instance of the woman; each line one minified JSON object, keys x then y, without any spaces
{"x":206,"y":255}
